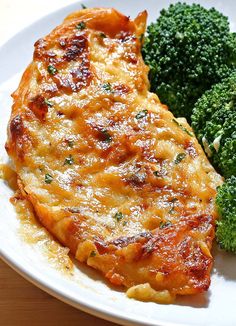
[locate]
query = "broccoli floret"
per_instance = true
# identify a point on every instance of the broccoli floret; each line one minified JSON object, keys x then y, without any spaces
{"x":213,"y":121}
{"x":188,"y":49}
{"x":226,"y":225}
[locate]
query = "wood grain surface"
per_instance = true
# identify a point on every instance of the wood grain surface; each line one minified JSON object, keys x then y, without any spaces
{"x":23,"y":304}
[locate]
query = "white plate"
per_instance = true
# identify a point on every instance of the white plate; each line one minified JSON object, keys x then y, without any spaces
{"x":86,"y":290}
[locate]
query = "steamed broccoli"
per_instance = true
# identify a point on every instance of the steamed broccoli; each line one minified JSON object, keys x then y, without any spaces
{"x":188,"y":49}
{"x":226,"y":225}
{"x":213,"y":121}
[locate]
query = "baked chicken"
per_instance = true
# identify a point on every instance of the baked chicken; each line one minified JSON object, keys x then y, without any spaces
{"x":108,"y":169}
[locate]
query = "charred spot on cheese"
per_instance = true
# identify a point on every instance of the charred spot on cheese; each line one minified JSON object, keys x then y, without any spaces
{"x":16,"y":127}
{"x":20,"y":140}
{"x":81,"y":75}
{"x":121,"y":89}
{"x":75,"y":47}
{"x":40,"y":48}
{"x":101,"y":246}
{"x":104,"y":135}
{"x":141,"y":238}
{"x":136,"y":180}
{"x":39,"y":106}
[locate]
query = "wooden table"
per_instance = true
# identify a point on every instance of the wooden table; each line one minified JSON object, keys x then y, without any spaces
{"x":23,"y":304}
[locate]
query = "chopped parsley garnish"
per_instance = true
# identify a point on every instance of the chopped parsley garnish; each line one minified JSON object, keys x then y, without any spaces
{"x":48,"y":178}
{"x":69,"y":160}
{"x":106,"y":136}
{"x":179,"y":158}
{"x":124,"y":223}
{"x":118,"y":216}
{"x":141,"y":114}
{"x":48,"y":103}
{"x":93,"y":253}
{"x":52,"y":70}
{"x":165,"y":224}
{"x":182,"y":127}
{"x":107,"y":87}
{"x":102,"y":35}
{"x":81,"y":26}
{"x":71,"y":143}
{"x":172,"y":201}
{"x":157,"y":173}
{"x":171,"y":211}
{"x":83,"y":6}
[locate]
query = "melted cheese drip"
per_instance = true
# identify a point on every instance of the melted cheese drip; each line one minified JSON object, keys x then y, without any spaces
{"x":31,"y":231}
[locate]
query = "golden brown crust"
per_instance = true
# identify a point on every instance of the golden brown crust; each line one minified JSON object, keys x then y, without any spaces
{"x":108,"y":169}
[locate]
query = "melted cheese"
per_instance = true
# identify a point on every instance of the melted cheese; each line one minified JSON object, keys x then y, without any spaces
{"x":108,"y":169}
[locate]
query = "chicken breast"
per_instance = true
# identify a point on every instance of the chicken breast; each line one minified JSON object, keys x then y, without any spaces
{"x":108,"y":169}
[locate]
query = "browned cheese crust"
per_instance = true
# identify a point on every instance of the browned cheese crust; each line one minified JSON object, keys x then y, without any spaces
{"x":109,"y":170}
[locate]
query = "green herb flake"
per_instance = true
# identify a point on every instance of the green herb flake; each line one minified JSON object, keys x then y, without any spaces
{"x":157,"y":173}
{"x":118,"y":216}
{"x":69,"y":160}
{"x":71,"y":143}
{"x":171,"y":211}
{"x":165,"y":224}
{"x":102,"y":35}
{"x":106,"y":136}
{"x":124,"y":223}
{"x":93,"y":253}
{"x":81,"y":26}
{"x":179,"y":158}
{"x":182,"y":127}
{"x":172,"y":201}
{"x":83,"y":6}
{"x":48,"y":178}
{"x":141,"y":114}
{"x":52,"y":69}
{"x":46,"y":101}
{"x":107,"y":87}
